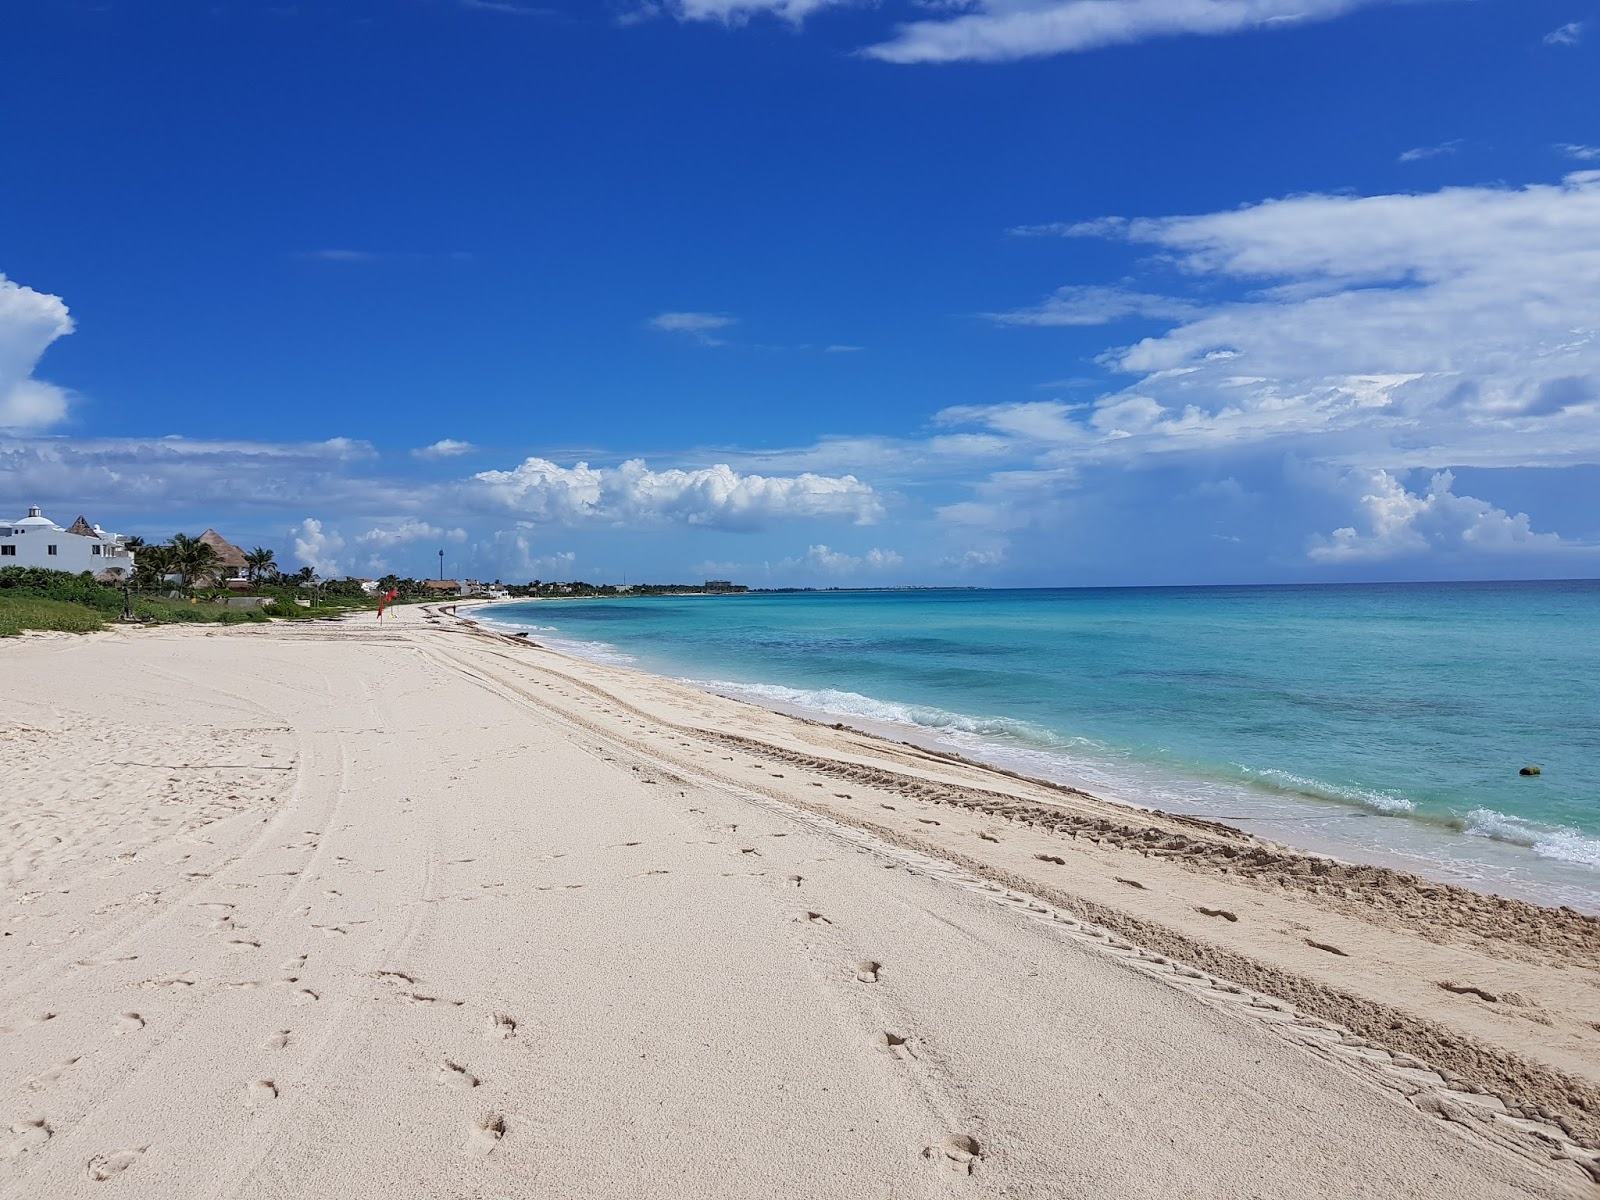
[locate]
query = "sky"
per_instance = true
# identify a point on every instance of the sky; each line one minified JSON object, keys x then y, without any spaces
{"x":811,"y":292}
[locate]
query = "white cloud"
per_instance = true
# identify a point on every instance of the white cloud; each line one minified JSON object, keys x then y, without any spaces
{"x":1005,"y":30}
{"x":700,"y":326}
{"x":1418,"y":153}
{"x":631,"y":494}
{"x":1399,"y":523}
{"x":836,"y":562}
{"x":1581,"y":153}
{"x":1093,"y":306}
{"x":517,"y":555}
{"x":444,"y":448}
{"x":1569,"y":34}
{"x":174,"y":474}
{"x":734,"y":12}
{"x":317,"y":547}
{"x":29,"y":322}
{"x":410,"y":530}
{"x":1449,"y":328}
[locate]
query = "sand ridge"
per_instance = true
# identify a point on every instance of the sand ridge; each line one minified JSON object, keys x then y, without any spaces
{"x":512,"y":924}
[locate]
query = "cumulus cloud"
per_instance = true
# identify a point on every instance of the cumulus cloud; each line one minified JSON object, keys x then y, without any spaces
{"x":1006,"y":30}
{"x":1399,"y":523}
{"x":444,"y":448}
{"x":317,"y":547}
{"x":410,"y":530}
{"x":1569,"y":34}
{"x":836,"y":562}
{"x":632,"y":494}
{"x":516,"y":554}
{"x":1089,"y":305}
{"x":29,"y":322}
{"x":700,"y":326}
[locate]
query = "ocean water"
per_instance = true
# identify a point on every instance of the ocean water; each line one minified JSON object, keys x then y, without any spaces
{"x":1379,"y":723}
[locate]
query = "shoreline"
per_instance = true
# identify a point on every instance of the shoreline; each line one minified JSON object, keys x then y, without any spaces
{"x":337,"y":856}
{"x":1437,"y":849}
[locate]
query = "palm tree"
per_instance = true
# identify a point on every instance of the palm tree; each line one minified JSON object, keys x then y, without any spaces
{"x":259,"y":564}
{"x":192,"y":559}
{"x":305,"y":576}
{"x":152,"y":565}
{"x":133,"y":543}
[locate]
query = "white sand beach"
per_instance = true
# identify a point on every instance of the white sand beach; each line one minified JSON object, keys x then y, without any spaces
{"x":412,"y":909}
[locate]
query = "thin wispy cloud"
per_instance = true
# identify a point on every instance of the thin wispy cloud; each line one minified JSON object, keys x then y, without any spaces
{"x":506,"y":7}
{"x":342,"y":255}
{"x":1094,"y":306}
{"x":733,"y":12}
{"x":1569,"y":34}
{"x":698,"y":326}
{"x":1581,"y":153}
{"x":1007,"y":30}
{"x":1419,"y":153}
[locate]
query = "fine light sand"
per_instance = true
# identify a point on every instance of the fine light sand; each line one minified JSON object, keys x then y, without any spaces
{"x":409,"y":909}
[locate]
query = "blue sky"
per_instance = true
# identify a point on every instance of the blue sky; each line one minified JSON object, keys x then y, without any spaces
{"x":1003,"y":292}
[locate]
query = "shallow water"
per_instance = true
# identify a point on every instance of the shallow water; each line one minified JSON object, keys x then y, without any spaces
{"x":1384,"y":721}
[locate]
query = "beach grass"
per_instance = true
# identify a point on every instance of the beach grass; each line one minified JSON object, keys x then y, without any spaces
{"x":18,"y":613}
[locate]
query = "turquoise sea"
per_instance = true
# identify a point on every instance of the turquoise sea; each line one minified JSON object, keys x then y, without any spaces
{"x":1378,"y":722}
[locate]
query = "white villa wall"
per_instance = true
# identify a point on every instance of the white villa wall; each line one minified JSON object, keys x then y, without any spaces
{"x":27,"y":542}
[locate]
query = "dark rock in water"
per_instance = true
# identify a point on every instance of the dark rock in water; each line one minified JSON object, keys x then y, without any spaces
{"x":1528,"y":771}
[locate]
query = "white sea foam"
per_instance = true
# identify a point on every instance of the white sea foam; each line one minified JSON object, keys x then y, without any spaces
{"x":1286,"y":781}
{"x":853,"y":704}
{"x":1547,"y":841}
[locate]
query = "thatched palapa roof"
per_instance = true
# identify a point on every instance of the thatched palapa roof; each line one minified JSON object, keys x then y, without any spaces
{"x":228,"y":555}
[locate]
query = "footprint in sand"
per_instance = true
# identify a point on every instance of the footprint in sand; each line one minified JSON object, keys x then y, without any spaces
{"x":260,"y":1092}
{"x":420,"y":998}
{"x":28,"y":1022}
{"x":244,"y":944}
{"x":1215,"y":912}
{"x":885,"y":1042}
{"x":278,"y":1041}
{"x":294,"y":964}
{"x":486,"y":1135}
{"x":957,"y":1152}
{"x":501,"y":1027}
{"x":108,"y":1166}
{"x":50,"y":1075}
{"x":129,"y":1022}
{"x":30,"y":1134}
{"x":814,"y":918}
{"x":304,"y":996}
{"x":455,"y":1075}
{"x":867,"y":971}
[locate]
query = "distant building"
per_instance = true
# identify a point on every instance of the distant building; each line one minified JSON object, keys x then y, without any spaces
{"x":37,"y":541}
{"x":724,"y":585}
{"x":443,"y":587}
{"x":231,"y":569}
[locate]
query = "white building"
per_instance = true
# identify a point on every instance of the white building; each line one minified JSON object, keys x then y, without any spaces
{"x":37,"y":541}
